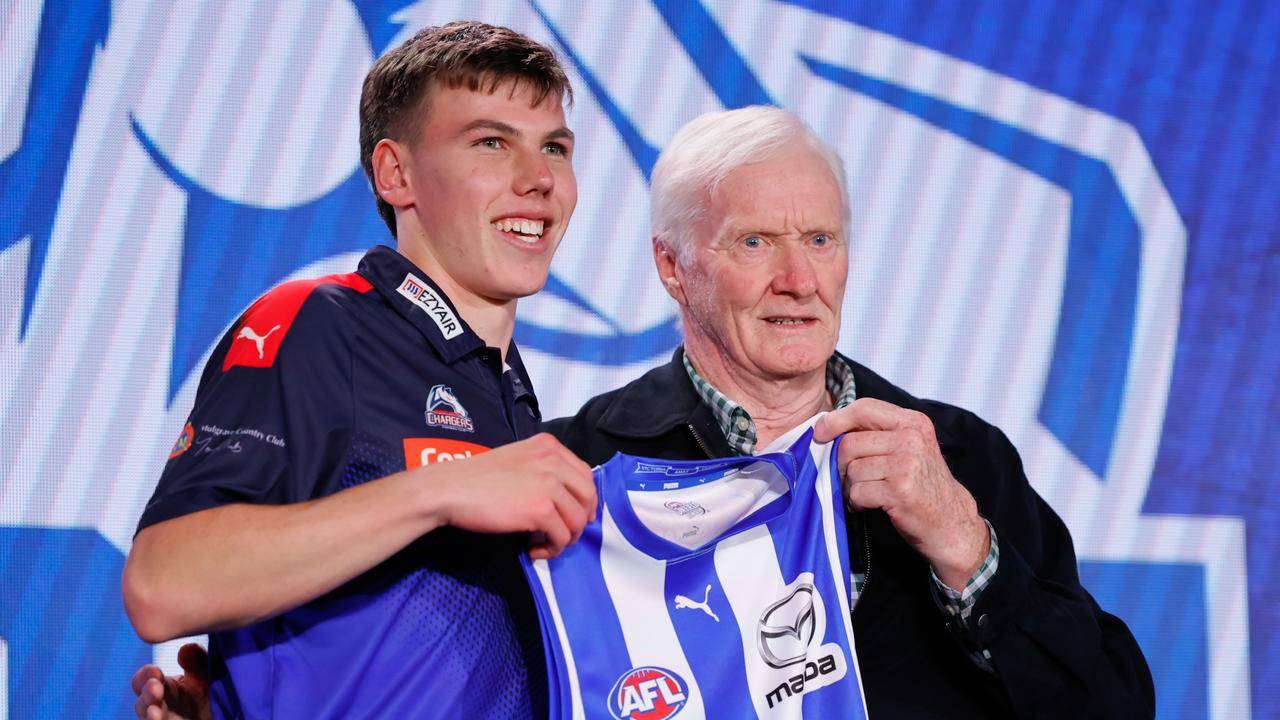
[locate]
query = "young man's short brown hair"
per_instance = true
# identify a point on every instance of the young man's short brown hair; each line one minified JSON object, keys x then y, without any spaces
{"x":467,"y":54}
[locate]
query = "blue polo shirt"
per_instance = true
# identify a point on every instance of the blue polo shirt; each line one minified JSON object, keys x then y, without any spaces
{"x":325,"y":384}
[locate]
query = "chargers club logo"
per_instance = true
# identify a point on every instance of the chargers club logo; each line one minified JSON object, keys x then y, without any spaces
{"x":648,"y":693}
{"x":444,"y":410}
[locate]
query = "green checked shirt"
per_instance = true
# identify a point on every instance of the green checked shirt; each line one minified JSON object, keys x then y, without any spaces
{"x":740,"y":430}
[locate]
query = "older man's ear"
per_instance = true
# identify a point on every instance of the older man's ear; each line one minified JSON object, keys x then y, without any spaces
{"x":665,"y":259}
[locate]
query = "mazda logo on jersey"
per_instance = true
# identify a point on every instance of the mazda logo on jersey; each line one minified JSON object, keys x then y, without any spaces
{"x":787,"y":627}
{"x":796,"y":684}
{"x":789,"y":637}
{"x":425,"y":451}
{"x":648,"y":693}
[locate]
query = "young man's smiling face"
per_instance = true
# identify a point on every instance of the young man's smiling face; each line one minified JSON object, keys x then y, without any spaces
{"x":490,"y":179}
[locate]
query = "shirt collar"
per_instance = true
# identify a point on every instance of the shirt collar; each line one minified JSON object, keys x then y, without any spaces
{"x":415,"y":296}
{"x":736,"y":423}
{"x":521,"y":385}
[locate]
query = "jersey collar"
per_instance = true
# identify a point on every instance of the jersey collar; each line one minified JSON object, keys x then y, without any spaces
{"x":641,"y":474}
{"x":415,"y":296}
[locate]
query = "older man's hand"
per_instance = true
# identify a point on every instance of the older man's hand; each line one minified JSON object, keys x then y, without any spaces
{"x":891,"y":461}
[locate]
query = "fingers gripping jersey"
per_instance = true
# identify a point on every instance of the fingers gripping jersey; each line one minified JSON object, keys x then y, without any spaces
{"x":705,"y":589}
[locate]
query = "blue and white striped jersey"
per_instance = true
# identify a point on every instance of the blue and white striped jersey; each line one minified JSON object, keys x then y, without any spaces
{"x":705,"y":589}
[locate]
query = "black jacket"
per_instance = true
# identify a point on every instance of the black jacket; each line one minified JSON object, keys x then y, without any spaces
{"x":1056,"y":653}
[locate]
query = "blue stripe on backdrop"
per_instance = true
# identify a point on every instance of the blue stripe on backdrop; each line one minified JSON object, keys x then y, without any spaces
{"x":644,"y":154}
{"x":219,"y":233}
{"x":716,"y":58}
{"x":382,"y":20}
{"x":1164,"y":607}
{"x":32,"y":178}
{"x":62,"y":617}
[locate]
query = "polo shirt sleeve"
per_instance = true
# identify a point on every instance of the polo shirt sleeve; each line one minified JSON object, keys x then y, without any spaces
{"x":272,"y":417}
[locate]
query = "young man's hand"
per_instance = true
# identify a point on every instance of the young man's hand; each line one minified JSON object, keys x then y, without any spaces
{"x":534,"y":485}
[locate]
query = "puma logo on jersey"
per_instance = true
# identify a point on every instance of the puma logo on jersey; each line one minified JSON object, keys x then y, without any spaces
{"x":685,"y":603}
{"x":278,"y":310}
{"x":248,"y":333}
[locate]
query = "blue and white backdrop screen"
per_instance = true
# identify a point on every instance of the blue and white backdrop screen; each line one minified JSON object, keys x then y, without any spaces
{"x":1064,"y":214}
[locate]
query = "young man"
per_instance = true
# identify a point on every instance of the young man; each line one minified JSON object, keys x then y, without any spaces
{"x":305,"y":518}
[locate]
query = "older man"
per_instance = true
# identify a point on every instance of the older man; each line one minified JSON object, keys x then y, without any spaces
{"x":967,"y":598}
{"x":968,"y":602}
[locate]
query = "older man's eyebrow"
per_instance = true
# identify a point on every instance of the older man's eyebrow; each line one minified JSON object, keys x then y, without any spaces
{"x":757,"y":230}
{"x":775,"y":232}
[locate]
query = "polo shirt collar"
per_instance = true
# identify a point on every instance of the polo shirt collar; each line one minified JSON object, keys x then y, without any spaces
{"x":521,"y":385}
{"x":416,"y":297}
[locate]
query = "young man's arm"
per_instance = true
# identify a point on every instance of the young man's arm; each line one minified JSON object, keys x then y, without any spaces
{"x":236,"y":564}
{"x":255,"y":512}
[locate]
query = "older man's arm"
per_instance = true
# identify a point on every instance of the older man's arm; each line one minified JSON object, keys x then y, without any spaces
{"x":1054,"y":650}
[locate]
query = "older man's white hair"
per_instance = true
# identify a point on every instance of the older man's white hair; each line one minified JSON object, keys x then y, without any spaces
{"x":706,"y":150}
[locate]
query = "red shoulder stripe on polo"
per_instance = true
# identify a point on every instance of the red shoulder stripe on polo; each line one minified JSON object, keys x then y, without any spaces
{"x":355,"y":281}
{"x":259,"y":335}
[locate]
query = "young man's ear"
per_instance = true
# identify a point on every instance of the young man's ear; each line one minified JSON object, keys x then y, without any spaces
{"x":391,"y":179}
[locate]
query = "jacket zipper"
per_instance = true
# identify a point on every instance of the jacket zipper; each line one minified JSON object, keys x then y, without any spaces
{"x":866,"y":576}
{"x":701,"y":444}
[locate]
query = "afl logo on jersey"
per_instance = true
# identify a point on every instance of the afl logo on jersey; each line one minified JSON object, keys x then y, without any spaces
{"x":444,"y":410}
{"x":648,"y":693}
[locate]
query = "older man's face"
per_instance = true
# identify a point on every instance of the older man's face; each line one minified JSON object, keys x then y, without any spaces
{"x":765,"y":279}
